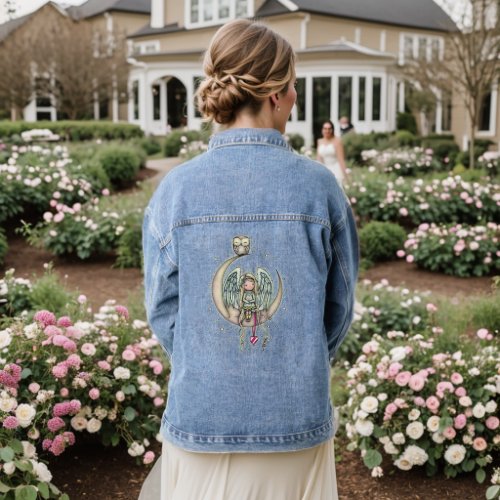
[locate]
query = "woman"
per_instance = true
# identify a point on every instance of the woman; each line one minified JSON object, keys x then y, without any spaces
{"x":250,"y":263}
{"x":331,"y":152}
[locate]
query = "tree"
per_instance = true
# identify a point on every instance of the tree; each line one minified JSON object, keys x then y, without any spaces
{"x":10,"y":8}
{"x":469,"y":64}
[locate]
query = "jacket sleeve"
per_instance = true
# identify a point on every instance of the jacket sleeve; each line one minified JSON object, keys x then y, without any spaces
{"x":161,"y":285}
{"x":341,"y":282}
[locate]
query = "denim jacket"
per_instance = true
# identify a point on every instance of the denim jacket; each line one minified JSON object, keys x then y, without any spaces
{"x":250,"y":262}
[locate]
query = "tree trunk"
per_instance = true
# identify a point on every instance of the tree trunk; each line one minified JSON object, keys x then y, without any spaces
{"x":471,"y":149}
{"x":13,"y":113}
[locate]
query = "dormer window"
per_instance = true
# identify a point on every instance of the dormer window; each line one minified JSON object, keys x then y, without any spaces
{"x":210,"y":12}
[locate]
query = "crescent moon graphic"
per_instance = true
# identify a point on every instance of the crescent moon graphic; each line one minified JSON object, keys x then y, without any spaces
{"x":232,"y":314}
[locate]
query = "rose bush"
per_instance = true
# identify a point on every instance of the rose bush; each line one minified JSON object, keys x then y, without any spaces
{"x":459,"y":250}
{"x":422,"y":406}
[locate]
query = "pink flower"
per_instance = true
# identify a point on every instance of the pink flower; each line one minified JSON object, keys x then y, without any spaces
{"x":156,"y":366}
{"x":400,"y":253}
{"x":460,"y":392}
{"x":482,"y":333}
{"x":105,"y":192}
{"x":88,"y":349}
{"x":64,"y":392}
{"x":393,"y":368}
{"x":416,"y":383}
{"x":128,"y":355}
{"x":73,"y":332}
{"x":410,"y":258}
{"x":122,"y":311}
{"x":460,"y":421}
{"x":59,"y":340}
{"x":69,"y":437}
{"x":449,"y":433}
{"x":10,"y":422}
{"x":61,"y":409}
{"x":479,"y":444}
{"x":402,"y":378}
{"x":442,"y":387}
{"x":94,"y":393}
{"x":432,"y":403}
{"x":148,"y":458}
{"x":456,"y":378}
{"x":403,"y":211}
{"x":69,"y":346}
{"x":419,"y":401}
{"x":158,"y":401}
{"x":58,"y":445}
{"x":44,"y":317}
{"x":74,"y":406}
{"x":104,"y":365}
{"x":431,"y":308}
{"x":34,"y":387}
{"x":492,"y":423}
{"x":59,"y":217}
{"x":74,"y":361}
{"x":59,"y":370}
{"x":52,"y":330}
{"x":82,"y":299}
{"x":391,"y":408}
{"x":64,"y":321}
{"x":56,"y":423}
{"x":46,"y":444}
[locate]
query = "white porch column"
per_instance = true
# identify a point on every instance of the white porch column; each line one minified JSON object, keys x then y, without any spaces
{"x":401,"y":97}
{"x":439,"y":114}
{"x":309,"y":111}
{"x":96,"y":105}
{"x":157,"y":13}
{"x":163,"y":104}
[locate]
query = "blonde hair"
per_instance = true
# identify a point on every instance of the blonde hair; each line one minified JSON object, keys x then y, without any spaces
{"x":245,"y":63}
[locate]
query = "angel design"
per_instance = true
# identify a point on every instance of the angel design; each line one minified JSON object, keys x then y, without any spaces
{"x":244,"y":298}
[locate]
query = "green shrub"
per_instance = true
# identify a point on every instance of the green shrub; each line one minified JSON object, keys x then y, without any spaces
{"x":129,"y":249}
{"x":380,"y":241}
{"x":150,"y":145}
{"x":176,"y":139}
{"x":406,"y":121}
{"x":75,"y":130}
{"x":49,"y":293}
{"x":354,"y":144}
{"x":296,"y":141}
{"x":443,"y":147}
{"x":405,"y":138}
{"x":94,"y":172}
{"x":4,"y":247}
{"x":486,"y":312}
{"x":120,"y":163}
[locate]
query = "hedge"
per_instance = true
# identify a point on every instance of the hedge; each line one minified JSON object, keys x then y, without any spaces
{"x":74,"y":130}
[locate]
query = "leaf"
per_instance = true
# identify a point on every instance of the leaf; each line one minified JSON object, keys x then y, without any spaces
{"x":43,"y":488}
{"x":4,"y":488}
{"x":115,"y":439}
{"x":372,"y":459}
{"x":26,"y":373}
{"x":64,"y":497}
{"x":24,"y":465}
{"x":129,"y":389}
{"x":480,"y":476}
{"x":492,"y":492}
{"x":469,"y":465}
{"x":7,"y":454}
{"x":26,"y":493}
{"x":16,"y":445}
{"x":129,"y":414}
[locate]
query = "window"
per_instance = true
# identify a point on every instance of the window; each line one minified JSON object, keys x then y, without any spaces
{"x":446,"y":111}
{"x":361,"y":98}
{"x":435,"y":50}
{"x":420,"y":47}
{"x":301,"y":99}
{"x":377,"y":98}
{"x":322,"y":92}
{"x":135,"y":98}
{"x":156,"y":101}
{"x":216,"y":11}
{"x":345,"y":96}
{"x":408,"y":47}
{"x":484,"y":121}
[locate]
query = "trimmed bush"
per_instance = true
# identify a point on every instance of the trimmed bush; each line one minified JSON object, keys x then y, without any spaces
{"x":296,"y":141}
{"x":120,"y":163}
{"x":380,"y":241}
{"x":354,"y":144}
{"x":4,"y":247}
{"x":74,"y":130}
{"x":406,"y":121}
{"x":405,"y":138}
{"x":442,"y":147}
{"x":129,"y":249}
{"x":150,"y":145}
{"x":176,"y":139}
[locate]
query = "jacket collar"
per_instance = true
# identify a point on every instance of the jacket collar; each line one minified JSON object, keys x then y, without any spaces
{"x":238,"y":136}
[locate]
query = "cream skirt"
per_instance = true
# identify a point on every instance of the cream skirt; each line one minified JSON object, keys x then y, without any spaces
{"x":299,"y":475}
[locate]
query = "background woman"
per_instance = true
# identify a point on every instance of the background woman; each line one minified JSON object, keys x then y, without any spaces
{"x":248,"y":414}
{"x":330,"y":152}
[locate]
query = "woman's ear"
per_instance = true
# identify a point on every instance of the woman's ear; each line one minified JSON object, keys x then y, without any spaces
{"x":275,"y":100}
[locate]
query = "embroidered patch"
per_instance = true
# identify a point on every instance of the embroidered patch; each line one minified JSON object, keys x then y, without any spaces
{"x":245,"y":298}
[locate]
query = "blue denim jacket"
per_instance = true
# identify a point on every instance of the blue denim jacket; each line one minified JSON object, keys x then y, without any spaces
{"x":250,"y":261}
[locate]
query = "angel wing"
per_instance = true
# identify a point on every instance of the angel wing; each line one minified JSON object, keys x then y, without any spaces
{"x":231,"y":289}
{"x":265,"y":289}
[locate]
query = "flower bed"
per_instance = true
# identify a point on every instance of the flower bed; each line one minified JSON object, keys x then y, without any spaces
{"x":459,"y":250}
{"x":416,"y":201}
{"x":60,"y":378}
{"x":419,"y":405}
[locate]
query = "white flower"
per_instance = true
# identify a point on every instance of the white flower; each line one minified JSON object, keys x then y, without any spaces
{"x":455,"y":454}
{"x":438,"y":438}
{"x":369,"y":404}
{"x":5,"y":338}
{"x":9,"y":468}
{"x":361,"y":388}
{"x":29,"y":450}
{"x":414,"y":414}
{"x":474,"y":372}
{"x":479,"y":410}
{"x":377,"y":472}
{"x":384,"y":439}
{"x":397,"y":353}
{"x":415,"y":430}
{"x":403,"y":463}
{"x":382,"y":396}
{"x":433,"y":423}
{"x":7,"y":404}
{"x":490,"y":407}
{"x":390,"y":449}
{"x":465,"y":401}
{"x":34,"y":433}
{"x":415,"y":455}
{"x":41,"y":471}
{"x":79,"y":423}
{"x":94,"y":425}
{"x":136,"y":449}
{"x":25,"y":414}
{"x":399,"y":438}
{"x":467,"y":440}
{"x":364,"y":427}
{"x":121,"y":373}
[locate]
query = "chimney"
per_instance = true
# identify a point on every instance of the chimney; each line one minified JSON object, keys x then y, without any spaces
{"x":157,"y":13}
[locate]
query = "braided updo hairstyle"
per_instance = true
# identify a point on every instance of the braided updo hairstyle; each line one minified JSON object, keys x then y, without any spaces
{"x":245,"y":63}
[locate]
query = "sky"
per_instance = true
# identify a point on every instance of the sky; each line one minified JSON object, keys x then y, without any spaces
{"x":26,"y":6}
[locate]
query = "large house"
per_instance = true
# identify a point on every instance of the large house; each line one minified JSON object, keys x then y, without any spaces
{"x":349,"y":55}
{"x":106,"y":16}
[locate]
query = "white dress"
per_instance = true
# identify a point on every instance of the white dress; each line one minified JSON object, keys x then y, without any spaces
{"x":329,"y":154}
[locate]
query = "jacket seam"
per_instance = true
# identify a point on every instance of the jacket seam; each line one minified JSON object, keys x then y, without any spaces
{"x":285,"y":146}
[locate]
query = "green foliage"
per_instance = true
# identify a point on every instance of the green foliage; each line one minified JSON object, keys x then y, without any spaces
{"x":129,"y":249}
{"x":379,"y":241}
{"x":121,"y":164}
{"x":74,"y":130}
{"x":443,"y":147}
{"x":354,"y":144}
{"x":296,"y":141}
{"x":176,"y":139}
{"x":406,"y":121}
{"x":485,"y":312}
{"x":4,"y":246}
{"x":405,"y":138}
{"x":151,"y":145}
{"x":49,"y":293}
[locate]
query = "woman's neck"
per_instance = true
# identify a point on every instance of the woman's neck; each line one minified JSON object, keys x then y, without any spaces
{"x":262,"y":119}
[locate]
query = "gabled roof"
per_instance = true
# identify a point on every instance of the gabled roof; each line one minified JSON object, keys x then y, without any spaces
{"x":95,"y":7}
{"x":424,"y":14}
{"x":346,"y":46}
